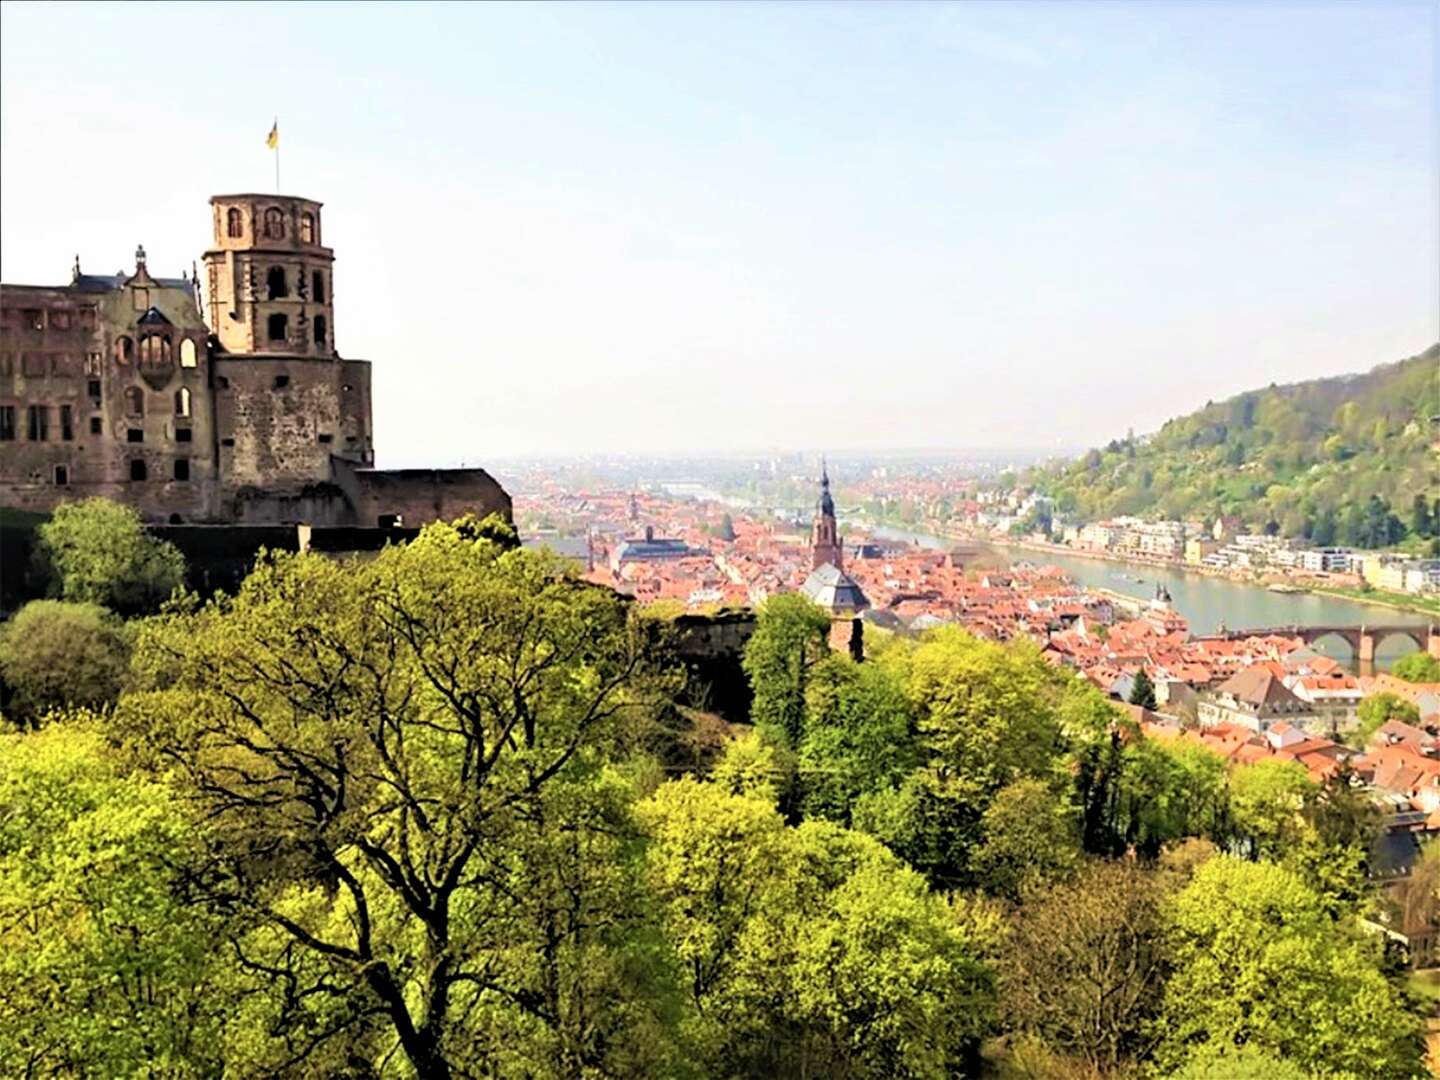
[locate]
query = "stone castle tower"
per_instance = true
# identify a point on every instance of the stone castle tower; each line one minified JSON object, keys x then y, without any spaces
{"x":825,"y":533}
{"x":290,"y":405}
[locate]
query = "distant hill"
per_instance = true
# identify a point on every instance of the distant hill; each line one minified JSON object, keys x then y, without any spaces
{"x":1348,"y":460}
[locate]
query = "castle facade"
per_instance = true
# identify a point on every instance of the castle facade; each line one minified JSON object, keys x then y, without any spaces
{"x":240,"y":412}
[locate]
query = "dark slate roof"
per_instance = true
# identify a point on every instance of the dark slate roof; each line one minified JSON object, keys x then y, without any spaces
{"x":108,"y":282}
{"x":834,"y":590}
{"x":656,"y":548}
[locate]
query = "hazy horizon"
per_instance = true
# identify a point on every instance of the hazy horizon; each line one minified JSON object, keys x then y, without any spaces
{"x":710,"y":229}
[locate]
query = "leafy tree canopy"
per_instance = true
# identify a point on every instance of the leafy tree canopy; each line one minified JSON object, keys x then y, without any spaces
{"x":55,"y":654}
{"x":97,"y":552}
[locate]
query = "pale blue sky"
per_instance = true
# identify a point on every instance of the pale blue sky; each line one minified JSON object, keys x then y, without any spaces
{"x":687,"y":226}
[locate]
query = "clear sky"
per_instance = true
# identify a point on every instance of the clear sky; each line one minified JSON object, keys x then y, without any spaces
{"x":689,"y":226}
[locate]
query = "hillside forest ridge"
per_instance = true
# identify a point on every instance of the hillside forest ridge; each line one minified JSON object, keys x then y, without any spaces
{"x":1336,"y":461}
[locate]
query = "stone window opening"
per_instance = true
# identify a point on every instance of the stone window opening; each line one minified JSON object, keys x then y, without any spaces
{"x":134,"y":401}
{"x":34,"y":319}
{"x":176,"y":519}
{"x":326,"y":437}
{"x":7,"y":423}
{"x":307,"y":227}
{"x":223,"y":383}
{"x":93,"y":386}
{"x":124,"y":350}
{"x":282,"y":381}
{"x":320,"y":329}
{"x":227,"y":442}
{"x":183,"y":434}
{"x":95,"y":425}
{"x":67,"y":424}
{"x":182,"y":468}
{"x":318,"y":287}
{"x":38,"y":423}
{"x":234,"y":223}
{"x":274,"y":224}
{"x":62,"y":476}
{"x":276,"y":287}
{"x":60,"y":320}
{"x":137,"y":469}
{"x":135,"y":435}
{"x":182,"y":402}
{"x":187,"y":353}
{"x":277,"y":327}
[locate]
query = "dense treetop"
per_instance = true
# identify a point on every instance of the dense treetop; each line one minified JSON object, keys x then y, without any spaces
{"x":427,"y":815}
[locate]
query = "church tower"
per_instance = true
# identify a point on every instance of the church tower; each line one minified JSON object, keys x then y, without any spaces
{"x":825,"y":533}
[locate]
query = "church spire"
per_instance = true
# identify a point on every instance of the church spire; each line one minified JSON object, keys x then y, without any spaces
{"x":825,"y":533}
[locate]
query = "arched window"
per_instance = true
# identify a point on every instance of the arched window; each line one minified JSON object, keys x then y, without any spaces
{"x":307,"y":227}
{"x":278,"y":327}
{"x":124,"y":350}
{"x":182,"y":402}
{"x":234,"y":223}
{"x":275,"y":285}
{"x":137,"y":469}
{"x":134,"y":401}
{"x":274,"y":224}
{"x":319,"y":289}
{"x":167,"y":354}
{"x":187,"y":353}
{"x":320,"y":329}
{"x":154,"y":349}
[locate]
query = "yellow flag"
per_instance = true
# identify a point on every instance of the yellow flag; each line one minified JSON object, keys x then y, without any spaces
{"x":273,"y":139}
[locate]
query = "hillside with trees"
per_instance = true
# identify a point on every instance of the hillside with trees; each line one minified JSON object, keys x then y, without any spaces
{"x":1346,"y":460}
{"x":419,"y":816}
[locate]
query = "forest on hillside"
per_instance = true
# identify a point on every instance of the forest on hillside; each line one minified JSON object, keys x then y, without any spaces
{"x":1347,"y":460}
{"x":451,"y":812}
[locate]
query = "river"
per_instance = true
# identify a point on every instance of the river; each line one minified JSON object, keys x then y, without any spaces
{"x":1210,"y":602}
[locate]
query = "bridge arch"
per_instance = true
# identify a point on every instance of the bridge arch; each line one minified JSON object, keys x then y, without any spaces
{"x":1348,"y":634}
{"x":1420,"y":635}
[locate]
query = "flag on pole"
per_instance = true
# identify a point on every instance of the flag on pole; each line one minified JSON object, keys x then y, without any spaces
{"x":273,"y":139}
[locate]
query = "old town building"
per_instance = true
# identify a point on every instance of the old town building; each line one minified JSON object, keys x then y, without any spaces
{"x":242,"y":411}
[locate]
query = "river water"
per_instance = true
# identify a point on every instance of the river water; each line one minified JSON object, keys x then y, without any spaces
{"x":1210,"y":602}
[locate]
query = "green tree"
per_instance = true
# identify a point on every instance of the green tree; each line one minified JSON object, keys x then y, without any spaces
{"x":97,"y":552}
{"x":810,"y":951}
{"x":1267,"y":803}
{"x":1030,"y":838}
{"x":104,"y":971}
{"x":754,"y":766}
{"x":858,"y":736}
{"x":1226,"y":1061}
{"x":1417,"y":667}
{"x":1420,"y":520}
{"x":55,"y":654}
{"x":1258,"y":961}
{"x":986,"y":715}
{"x":1376,"y":710}
{"x":1084,"y":964}
{"x":375,"y":746}
{"x":790,"y":638}
{"x":1142,"y":691}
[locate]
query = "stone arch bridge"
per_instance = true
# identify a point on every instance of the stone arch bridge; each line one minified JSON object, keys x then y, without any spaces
{"x":1363,"y":640}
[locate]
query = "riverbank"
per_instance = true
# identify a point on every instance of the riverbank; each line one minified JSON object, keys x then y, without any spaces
{"x":1372,"y":597}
